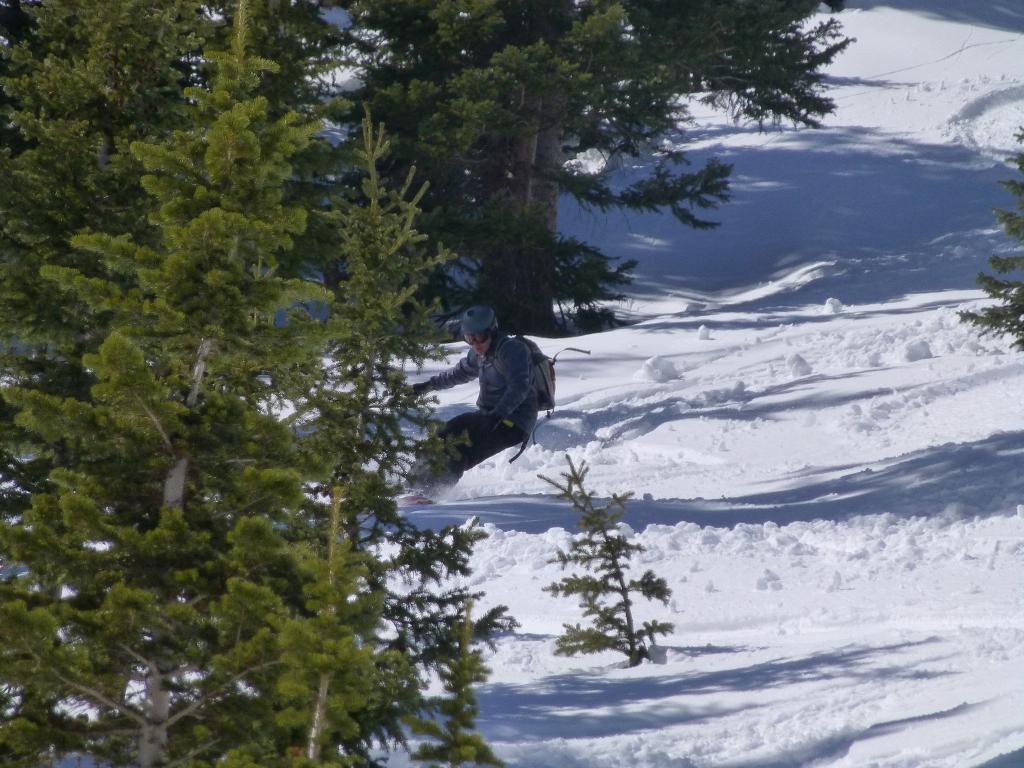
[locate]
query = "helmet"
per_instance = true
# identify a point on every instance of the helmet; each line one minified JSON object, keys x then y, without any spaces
{"x":479,"y":319}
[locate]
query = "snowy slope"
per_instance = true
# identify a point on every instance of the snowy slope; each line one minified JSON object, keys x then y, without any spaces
{"x":826,"y":461}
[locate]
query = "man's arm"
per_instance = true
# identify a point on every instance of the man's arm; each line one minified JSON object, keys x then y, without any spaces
{"x":463,"y":372}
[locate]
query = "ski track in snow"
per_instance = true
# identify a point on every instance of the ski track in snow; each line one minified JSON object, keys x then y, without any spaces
{"x":825,"y":460}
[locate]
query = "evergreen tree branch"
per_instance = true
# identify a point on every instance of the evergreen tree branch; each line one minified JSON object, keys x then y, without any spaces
{"x":156,"y":424}
{"x":195,"y":706}
{"x":192,"y":754}
{"x":98,"y":697}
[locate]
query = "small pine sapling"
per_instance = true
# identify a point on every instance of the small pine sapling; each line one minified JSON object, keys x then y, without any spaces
{"x":456,"y":743}
{"x":1007,"y":285}
{"x":605,"y":591}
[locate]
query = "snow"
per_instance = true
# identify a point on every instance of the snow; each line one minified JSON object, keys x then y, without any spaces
{"x":825,"y":460}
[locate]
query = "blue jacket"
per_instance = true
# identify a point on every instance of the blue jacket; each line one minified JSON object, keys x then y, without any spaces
{"x":506,"y":381}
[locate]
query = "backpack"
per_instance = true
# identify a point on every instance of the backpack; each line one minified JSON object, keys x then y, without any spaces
{"x":542,"y":369}
{"x":543,"y":372}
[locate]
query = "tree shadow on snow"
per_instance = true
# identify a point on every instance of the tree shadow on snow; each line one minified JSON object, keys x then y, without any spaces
{"x":964,"y":478}
{"x":693,"y":651}
{"x":859,"y":198}
{"x":769,"y":314}
{"x":838,"y":746}
{"x":1001,"y":15}
{"x":630,"y":419}
{"x":592,"y":706}
{"x":1013,"y":759}
{"x":955,"y":479}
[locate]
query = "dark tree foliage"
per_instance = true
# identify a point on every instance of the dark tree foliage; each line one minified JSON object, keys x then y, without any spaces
{"x":157,"y":576}
{"x":80,"y":83}
{"x":15,"y":29}
{"x":604,"y":590}
{"x":85,"y":81}
{"x":1006,"y":286}
{"x":199,"y":547}
{"x":491,"y":99}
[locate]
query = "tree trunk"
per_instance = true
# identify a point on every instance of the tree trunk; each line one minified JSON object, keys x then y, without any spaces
{"x":174,"y":485}
{"x":153,"y":737}
{"x":319,"y":719}
{"x":523,"y":269}
{"x":177,"y":477}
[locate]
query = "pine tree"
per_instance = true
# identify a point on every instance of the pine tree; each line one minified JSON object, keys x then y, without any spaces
{"x":492,"y":98}
{"x":455,"y":742}
{"x":74,"y":107}
{"x":73,"y":100}
{"x":158,"y":570}
{"x":1008,"y":315}
{"x":605,"y":592}
{"x":347,"y":407}
{"x":328,"y":668}
{"x":360,"y":421}
{"x":199,"y":495}
{"x":302,"y":39}
{"x":297,"y":36}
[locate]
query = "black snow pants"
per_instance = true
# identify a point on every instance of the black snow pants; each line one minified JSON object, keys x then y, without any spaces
{"x":481,"y":439}
{"x":473,"y":437}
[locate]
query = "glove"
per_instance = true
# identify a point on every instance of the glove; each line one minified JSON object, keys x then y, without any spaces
{"x":497,"y":422}
{"x":420,"y":387}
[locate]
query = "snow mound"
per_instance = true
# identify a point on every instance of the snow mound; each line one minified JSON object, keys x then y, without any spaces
{"x":832,"y":307}
{"x":798,"y":366}
{"x":656,"y":369}
{"x":917,"y":350}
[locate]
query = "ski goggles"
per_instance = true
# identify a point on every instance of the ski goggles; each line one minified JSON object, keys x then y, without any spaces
{"x":476,"y":338}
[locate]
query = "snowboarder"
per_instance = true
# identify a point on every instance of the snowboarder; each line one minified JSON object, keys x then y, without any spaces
{"x":507,"y":405}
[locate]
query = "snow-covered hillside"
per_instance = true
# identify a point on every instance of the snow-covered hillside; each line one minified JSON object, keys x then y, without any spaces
{"x":826,"y":461}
